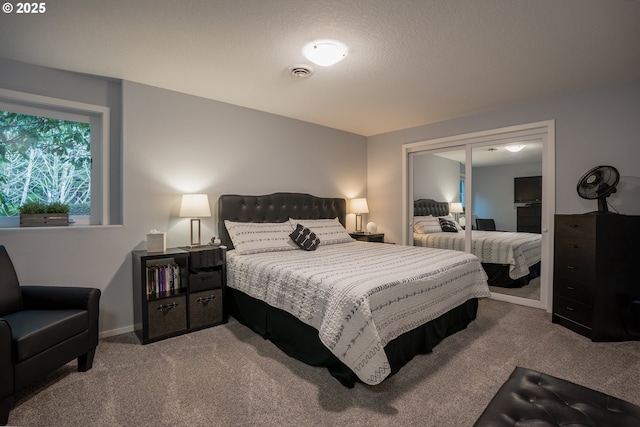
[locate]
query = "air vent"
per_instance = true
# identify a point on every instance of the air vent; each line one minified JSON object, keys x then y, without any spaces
{"x":300,"y":71}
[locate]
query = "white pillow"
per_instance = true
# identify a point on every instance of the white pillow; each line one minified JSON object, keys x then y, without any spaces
{"x":426,"y":224}
{"x":329,"y":231}
{"x":256,"y":237}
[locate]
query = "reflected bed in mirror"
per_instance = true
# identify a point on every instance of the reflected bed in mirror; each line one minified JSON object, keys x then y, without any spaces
{"x":511,"y":259}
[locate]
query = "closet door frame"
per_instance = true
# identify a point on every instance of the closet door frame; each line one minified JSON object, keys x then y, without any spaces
{"x":544,"y":129}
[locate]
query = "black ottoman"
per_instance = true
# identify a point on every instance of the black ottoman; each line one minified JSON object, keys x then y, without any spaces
{"x":533,"y":399}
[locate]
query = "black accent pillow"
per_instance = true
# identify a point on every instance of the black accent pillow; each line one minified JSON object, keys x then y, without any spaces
{"x":448,"y":225}
{"x":305,"y":238}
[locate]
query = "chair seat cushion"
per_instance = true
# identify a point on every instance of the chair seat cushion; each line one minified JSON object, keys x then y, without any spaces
{"x":34,"y":331}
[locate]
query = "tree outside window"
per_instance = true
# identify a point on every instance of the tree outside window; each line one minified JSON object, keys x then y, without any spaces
{"x":44,"y":160}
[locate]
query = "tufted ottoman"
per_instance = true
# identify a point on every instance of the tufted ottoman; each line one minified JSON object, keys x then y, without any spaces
{"x":532,"y":399}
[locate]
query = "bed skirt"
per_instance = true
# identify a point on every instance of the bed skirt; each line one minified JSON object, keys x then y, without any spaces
{"x":498,"y":275}
{"x":301,"y":341}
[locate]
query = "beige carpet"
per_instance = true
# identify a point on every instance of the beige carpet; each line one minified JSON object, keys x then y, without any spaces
{"x":229,"y":376}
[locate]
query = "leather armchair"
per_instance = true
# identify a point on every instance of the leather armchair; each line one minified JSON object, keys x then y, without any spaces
{"x":41,"y":329}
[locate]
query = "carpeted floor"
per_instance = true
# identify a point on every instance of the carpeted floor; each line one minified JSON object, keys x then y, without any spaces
{"x":229,"y":376}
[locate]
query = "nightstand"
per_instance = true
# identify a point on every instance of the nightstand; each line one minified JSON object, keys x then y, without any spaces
{"x":368,"y":237}
{"x":178,"y":291}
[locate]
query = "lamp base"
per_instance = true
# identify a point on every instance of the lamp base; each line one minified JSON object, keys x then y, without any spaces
{"x":195,"y":238}
{"x":358,"y":223}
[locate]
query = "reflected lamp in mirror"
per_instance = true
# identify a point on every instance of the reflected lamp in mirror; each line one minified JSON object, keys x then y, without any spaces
{"x":456,"y":208}
{"x":359,"y":207}
{"x":195,"y":206}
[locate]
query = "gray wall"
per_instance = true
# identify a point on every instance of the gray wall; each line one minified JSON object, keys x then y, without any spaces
{"x":171,"y":144}
{"x":436,"y":178}
{"x":594,"y":127}
{"x":493,"y":192}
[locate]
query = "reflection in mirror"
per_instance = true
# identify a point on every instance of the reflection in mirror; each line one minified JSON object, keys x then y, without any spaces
{"x":508,"y":241}
{"x":439,"y":195}
{"x":507,"y":211}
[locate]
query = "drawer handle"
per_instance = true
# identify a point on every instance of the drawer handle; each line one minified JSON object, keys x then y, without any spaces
{"x":205,"y":300}
{"x":571,"y":267}
{"x":572,"y":246}
{"x":570,"y":308}
{"x":573,"y":225}
{"x":571,"y":288}
{"x":163,"y":307}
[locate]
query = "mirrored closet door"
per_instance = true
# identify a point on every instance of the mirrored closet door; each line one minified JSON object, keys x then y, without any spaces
{"x":497,"y":186}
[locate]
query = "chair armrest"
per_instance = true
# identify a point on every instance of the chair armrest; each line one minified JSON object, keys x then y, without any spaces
{"x":59,"y":297}
{"x":6,"y":360}
{"x":65,"y":298}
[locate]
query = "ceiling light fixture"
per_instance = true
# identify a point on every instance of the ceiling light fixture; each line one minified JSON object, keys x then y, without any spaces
{"x":325,"y":52}
{"x":514,"y":148}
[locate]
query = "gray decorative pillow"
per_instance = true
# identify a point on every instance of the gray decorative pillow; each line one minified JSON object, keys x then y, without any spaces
{"x":305,"y":238}
{"x":448,"y":226}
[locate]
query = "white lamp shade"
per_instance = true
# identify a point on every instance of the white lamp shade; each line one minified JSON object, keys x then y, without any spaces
{"x":456,"y":207}
{"x":359,"y":206}
{"x":195,"y":206}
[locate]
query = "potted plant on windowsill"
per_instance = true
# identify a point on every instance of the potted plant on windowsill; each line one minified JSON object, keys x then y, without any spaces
{"x":36,"y":214}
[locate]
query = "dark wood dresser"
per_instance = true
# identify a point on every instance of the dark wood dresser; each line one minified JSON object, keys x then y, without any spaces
{"x":529,"y":218}
{"x":596,"y":259}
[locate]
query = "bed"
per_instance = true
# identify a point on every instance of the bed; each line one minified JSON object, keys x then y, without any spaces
{"x":362,"y":310}
{"x":510,"y":259}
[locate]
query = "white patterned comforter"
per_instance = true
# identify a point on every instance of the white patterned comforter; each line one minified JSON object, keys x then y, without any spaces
{"x":519,"y":250}
{"x":360,"y":295}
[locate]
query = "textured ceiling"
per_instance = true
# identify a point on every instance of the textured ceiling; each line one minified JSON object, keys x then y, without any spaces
{"x":410,"y":62}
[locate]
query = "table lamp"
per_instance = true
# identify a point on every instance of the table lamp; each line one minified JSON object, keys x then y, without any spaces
{"x":195,"y":206}
{"x":359,"y":207}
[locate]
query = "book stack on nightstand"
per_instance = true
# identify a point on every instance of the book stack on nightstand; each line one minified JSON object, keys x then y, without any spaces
{"x":363,"y":236}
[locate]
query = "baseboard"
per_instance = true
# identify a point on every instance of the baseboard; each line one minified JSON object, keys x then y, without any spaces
{"x":113,"y":332}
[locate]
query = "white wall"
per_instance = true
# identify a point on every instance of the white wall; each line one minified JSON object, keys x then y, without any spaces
{"x":174,"y":143}
{"x":594,"y":127}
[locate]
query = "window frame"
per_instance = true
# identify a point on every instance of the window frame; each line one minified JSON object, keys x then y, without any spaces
{"x":99,"y":119}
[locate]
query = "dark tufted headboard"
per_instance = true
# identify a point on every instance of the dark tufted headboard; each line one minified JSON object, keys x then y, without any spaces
{"x":276,"y":207}
{"x":425,"y":207}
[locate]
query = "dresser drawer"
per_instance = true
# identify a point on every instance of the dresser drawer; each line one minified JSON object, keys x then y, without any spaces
{"x":576,"y":248}
{"x":167,"y":315}
{"x":205,"y":308}
{"x":574,"y":268}
{"x":577,"y":291}
{"x":572,"y":310}
{"x":575,"y":226}
{"x":205,"y":280}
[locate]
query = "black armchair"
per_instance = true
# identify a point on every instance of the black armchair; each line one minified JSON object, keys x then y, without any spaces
{"x":41,"y":329}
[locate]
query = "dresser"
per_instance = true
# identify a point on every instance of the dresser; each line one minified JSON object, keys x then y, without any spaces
{"x":529,"y":219}
{"x":595,"y":277}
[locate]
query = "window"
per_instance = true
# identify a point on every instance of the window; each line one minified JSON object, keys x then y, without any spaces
{"x":50,"y":151}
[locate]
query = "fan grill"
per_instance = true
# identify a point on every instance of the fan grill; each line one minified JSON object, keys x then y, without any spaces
{"x":599,"y":183}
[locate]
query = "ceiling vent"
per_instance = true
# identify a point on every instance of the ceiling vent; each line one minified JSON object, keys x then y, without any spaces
{"x":300,"y":71}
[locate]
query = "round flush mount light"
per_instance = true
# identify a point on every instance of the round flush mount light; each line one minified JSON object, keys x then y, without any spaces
{"x":325,"y":52}
{"x":514,"y":148}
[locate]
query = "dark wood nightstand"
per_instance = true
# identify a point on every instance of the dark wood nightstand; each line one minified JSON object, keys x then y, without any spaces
{"x":178,"y":291}
{"x":368,"y":237}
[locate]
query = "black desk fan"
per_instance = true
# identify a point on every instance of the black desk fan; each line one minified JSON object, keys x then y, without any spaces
{"x":599,"y":183}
